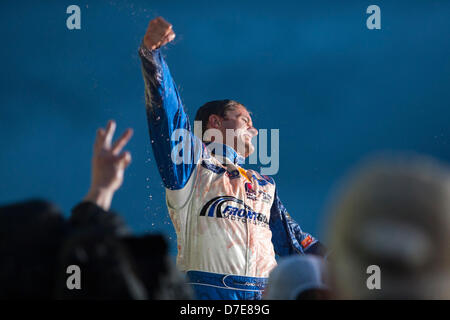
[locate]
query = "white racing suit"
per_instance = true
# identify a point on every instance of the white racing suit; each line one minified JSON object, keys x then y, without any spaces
{"x":229,"y":221}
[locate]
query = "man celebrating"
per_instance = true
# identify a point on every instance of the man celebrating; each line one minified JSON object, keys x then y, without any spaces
{"x":229,"y":221}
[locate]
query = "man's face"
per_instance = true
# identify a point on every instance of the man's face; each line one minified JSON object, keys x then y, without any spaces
{"x":239,"y":123}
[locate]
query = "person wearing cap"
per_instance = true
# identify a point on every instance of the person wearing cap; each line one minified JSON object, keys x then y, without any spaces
{"x":390,"y":230}
{"x":298,"y":278}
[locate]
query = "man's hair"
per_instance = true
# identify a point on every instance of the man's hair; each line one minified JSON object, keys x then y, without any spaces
{"x":217,"y":107}
{"x":31,"y":233}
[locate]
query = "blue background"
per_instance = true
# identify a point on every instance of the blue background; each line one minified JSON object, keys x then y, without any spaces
{"x":336,"y":90}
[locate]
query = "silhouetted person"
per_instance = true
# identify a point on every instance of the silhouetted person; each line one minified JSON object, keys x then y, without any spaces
{"x":37,"y":244}
{"x":31,"y":234}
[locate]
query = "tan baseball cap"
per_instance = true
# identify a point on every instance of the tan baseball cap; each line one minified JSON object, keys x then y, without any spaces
{"x":392,"y":213}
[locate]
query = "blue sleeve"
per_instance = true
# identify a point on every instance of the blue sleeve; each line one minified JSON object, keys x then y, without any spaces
{"x":170,"y":131}
{"x":287,"y":236}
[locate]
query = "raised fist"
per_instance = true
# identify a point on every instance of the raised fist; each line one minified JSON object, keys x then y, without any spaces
{"x":159,"y":33}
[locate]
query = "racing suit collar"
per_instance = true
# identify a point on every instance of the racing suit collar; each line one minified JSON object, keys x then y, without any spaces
{"x":225,"y":152}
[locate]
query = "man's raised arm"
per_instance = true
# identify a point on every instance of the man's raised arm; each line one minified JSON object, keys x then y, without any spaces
{"x":165,"y":114}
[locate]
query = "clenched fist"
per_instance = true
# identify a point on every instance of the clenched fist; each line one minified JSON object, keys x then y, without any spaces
{"x":159,"y":33}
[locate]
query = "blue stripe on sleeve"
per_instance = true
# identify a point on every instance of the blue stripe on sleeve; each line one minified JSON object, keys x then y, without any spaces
{"x":175,"y":148}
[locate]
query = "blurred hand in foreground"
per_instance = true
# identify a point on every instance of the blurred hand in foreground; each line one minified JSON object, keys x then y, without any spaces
{"x":108,"y":165}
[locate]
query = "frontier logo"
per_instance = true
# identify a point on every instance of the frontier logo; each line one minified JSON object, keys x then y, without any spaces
{"x":233,"y":209}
